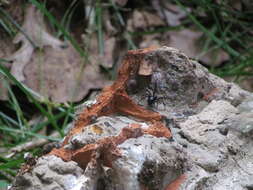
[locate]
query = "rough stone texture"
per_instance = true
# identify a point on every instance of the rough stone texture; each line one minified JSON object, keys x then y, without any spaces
{"x":196,"y":127}
{"x":220,"y":160}
{"x":155,"y":163}
{"x":50,"y":172}
{"x":243,"y":122}
{"x":177,"y":84}
{"x":165,"y":124}
{"x":103,"y":127}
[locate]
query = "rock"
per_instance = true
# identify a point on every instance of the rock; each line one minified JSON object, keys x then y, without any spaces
{"x":152,"y":162}
{"x":165,"y":124}
{"x":207,"y":121}
{"x":103,"y":127}
{"x":50,"y":172}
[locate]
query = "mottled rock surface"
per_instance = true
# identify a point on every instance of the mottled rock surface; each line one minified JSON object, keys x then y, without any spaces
{"x":50,"y":172}
{"x":195,"y":133}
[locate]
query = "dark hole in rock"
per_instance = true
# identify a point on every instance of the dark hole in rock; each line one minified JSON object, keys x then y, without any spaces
{"x":174,"y":67}
{"x":249,"y":187}
{"x":187,"y":84}
{"x":223,"y":131}
{"x":22,"y":181}
{"x":136,"y":85}
{"x":101,"y":184}
{"x":174,"y":86}
{"x":187,"y":113}
{"x":200,"y":95}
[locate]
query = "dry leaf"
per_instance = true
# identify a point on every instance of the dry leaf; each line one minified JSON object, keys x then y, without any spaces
{"x":245,"y":82}
{"x":150,"y":40}
{"x":248,"y":5}
{"x":3,"y":88}
{"x":33,"y":27}
{"x":5,"y":50}
{"x":107,"y":23}
{"x":105,"y":59}
{"x":120,"y":2}
{"x":58,"y":75}
{"x":91,"y":41}
{"x":2,"y":2}
{"x":54,"y":70}
{"x":235,"y":4}
{"x":143,"y":20}
{"x":188,"y":41}
{"x":169,"y":12}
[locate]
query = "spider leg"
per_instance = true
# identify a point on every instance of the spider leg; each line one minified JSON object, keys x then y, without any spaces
{"x":161,"y":100}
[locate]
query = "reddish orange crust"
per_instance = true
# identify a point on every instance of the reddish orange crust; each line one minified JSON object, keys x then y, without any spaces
{"x":114,"y":100}
{"x":176,"y":183}
{"x":208,"y":97}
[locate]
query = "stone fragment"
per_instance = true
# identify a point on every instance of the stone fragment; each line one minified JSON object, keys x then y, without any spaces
{"x":50,"y":172}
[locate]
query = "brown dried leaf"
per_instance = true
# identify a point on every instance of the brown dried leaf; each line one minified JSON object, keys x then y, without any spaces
{"x":150,"y":40}
{"x":143,"y":20}
{"x":120,"y":2}
{"x":234,"y":4}
{"x":248,"y":4}
{"x":35,"y":28}
{"x":53,"y":71}
{"x":16,"y":10}
{"x":2,"y":2}
{"x":188,"y":41}
{"x":5,"y":50}
{"x":3,"y":88}
{"x":245,"y":83}
{"x":109,"y":28}
{"x":58,"y":75}
{"x":105,"y":59}
{"x":169,"y":12}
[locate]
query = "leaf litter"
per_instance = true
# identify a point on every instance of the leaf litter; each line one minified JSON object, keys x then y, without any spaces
{"x":49,"y":66}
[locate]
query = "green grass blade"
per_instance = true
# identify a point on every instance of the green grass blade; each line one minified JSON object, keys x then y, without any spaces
{"x":99,"y":28}
{"x":210,"y":34}
{"x":22,"y":87}
{"x":120,"y":18}
{"x":6,"y":128}
{"x":66,"y":34}
{"x":8,"y":119}
{"x":11,"y":164}
{"x":3,"y":184}
{"x":16,"y":25}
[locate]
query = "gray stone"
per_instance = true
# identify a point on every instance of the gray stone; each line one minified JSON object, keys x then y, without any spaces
{"x":153,"y":162}
{"x":49,"y":173}
{"x":103,"y":127}
{"x":210,"y":120}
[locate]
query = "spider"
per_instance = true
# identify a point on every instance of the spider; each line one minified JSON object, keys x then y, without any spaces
{"x":153,"y":99}
{"x":153,"y":92}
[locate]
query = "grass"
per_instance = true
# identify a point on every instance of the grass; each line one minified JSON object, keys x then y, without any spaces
{"x":14,"y":116}
{"x":222,"y":26}
{"x":15,"y":128}
{"x":231,"y":29}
